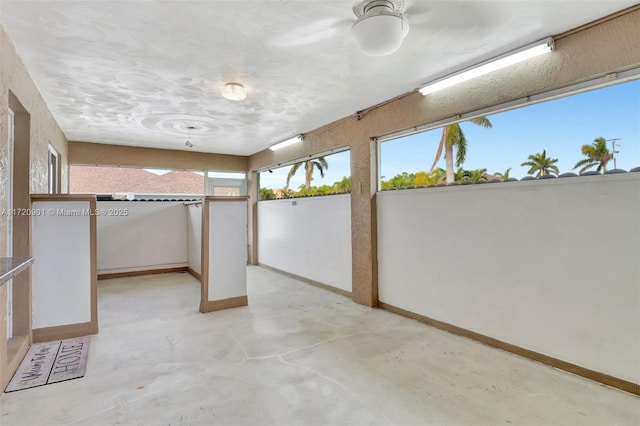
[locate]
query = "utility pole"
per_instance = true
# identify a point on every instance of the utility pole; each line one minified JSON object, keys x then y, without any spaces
{"x":613,"y":150}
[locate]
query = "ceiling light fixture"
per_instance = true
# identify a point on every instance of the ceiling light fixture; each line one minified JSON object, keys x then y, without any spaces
{"x":188,"y":143}
{"x":503,"y":61}
{"x":286,"y":143}
{"x":234,"y":92}
{"x":380,"y":27}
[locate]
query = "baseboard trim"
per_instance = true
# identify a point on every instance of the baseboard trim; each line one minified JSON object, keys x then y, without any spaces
{"x":603,"y":378}
{"x":139,"y":273}
{"x":62,"y":332}
{"x":218,"y":305}
{"x":194,"y":274}
{"x":308,"y":281}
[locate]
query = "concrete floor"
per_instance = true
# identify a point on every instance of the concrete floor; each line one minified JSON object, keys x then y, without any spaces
{"x":298,"y":355}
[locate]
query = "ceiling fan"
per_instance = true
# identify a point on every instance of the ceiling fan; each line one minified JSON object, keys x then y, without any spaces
{"x":380,"y":27}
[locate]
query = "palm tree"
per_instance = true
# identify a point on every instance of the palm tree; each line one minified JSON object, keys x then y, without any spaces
{"x":343,"y":186}
{"x":463,"y":175}
{"x":319,"y":163}
{"x":452,"y":135}
{"x":504,"y":176}
{"x":597,"y":155}
{"x":542,"y":164}
{"x":476,"y":174}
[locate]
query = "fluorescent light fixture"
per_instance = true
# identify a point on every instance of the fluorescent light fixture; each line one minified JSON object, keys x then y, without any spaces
{"x":286,"y":143}
{"x":494,"y":64}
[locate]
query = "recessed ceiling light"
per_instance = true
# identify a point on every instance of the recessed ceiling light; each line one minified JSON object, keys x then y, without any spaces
{"x":234,"y":91}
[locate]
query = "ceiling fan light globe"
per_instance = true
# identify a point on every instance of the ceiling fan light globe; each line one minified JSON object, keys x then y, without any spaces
{"x":380,"y":34}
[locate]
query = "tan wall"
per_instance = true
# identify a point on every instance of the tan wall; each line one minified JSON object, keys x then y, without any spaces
{"x":15,"y":83}
{"x":609,"y":46}
{"x":117,"y":155}
{"x":35,"y":129}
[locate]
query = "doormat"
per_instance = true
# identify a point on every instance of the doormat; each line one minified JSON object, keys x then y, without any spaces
{"x":51,"y":362}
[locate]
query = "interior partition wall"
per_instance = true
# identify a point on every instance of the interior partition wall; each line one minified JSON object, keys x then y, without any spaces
{"x":207,"y":238}
{"x":194,"y":238}
{"x":65,"y":272}
{"x":224,"y":253}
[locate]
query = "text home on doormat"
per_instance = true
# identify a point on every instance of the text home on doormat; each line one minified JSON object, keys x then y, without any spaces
{"x":51,"y":362}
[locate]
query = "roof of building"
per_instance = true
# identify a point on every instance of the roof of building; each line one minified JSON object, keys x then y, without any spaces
{"x":109,"y":180}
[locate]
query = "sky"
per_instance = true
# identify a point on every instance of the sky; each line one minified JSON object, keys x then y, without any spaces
{"x":559,"y":126}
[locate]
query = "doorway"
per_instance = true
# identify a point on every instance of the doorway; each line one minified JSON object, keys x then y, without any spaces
{"x":226,"y":184}
{"x":9,"y":284}
{"x":18,"y":232}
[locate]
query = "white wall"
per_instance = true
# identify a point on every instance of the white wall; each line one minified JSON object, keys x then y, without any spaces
{"x":227,"y":249}
{"x":61,"y":280}
{"x":194,"y":236}
{"x":151,"y":235}
{"x":552,"y":266}
{"x":311,"y":238}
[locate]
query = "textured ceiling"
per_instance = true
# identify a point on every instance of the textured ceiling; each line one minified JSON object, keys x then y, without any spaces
{"x":141,"y":72}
